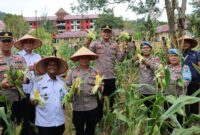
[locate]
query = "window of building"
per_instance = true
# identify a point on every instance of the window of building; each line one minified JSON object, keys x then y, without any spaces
{"x":78,"y":21}
{"x":86,"y":21}
{"x":91,"y":21}
{"x":72,"y":21}
{"x":78,"y":27}
{"x":72,"y":27}
{"x":91,"y":26}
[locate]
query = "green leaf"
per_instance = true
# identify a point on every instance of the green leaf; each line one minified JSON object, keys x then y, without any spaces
{"x":188,"y":131}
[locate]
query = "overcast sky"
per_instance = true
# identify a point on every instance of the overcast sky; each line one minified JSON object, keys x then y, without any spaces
{"x":28,"y":8}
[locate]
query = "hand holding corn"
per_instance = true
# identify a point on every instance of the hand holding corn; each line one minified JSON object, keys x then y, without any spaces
{"x":75,"y":89}
{"x":98,"y":83}
{"x":37,"y":98}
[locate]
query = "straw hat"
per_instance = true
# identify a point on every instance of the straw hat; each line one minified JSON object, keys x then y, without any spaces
{"x":37,"y":43}
{"x":42,"y":64}
{"x":83,"y":52}
{"x":192,"y":41}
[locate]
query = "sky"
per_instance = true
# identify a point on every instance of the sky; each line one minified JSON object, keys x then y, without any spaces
{"x":30,"y":7}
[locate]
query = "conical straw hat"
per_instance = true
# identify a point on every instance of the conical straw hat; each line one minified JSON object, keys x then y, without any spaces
{"x":37,"y":43}
{"x":42,"y":64}
{"x":83,"y":52}
{"x":192,"y":41}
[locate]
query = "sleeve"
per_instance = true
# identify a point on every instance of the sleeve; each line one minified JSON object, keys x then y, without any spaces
{"x":155,"y":63}
{"x":35,"y":87}
{"x":92,"y":46}
{"x":198,"y":56}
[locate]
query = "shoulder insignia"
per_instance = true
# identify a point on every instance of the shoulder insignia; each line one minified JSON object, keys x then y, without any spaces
{"x":38,"y":78}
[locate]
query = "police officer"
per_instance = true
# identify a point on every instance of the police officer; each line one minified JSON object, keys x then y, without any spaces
{"x":147,"y":68}
{"x":85,"y":109}
{"x":191,"y":57}
{"x":177,"y":72}
{"x":108,"y":52}
{"x":27,"y":43}
{"x":50,"y":118}
{"x":6,"y":60}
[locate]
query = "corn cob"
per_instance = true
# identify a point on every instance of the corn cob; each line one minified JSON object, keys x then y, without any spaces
{"x":38,"y":97}
{"x":75,"y":86}
{"x":141,"y":58}
{"x":15,"y":78}
{"x":91,"y":35}
{"x":124,"y":36}
{"x":98,"y":83}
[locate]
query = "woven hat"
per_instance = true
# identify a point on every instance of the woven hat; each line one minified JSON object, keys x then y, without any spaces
{"x":37,"y":42}
{"x":83,"y":52}
{"x":42,"y":64}
{"x":192,"y":41}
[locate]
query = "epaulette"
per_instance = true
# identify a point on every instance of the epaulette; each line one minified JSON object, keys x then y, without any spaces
{"x":38,"y":78}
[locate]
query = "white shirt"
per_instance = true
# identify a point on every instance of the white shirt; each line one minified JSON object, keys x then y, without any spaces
{"x":53,"y":91}
{"x":30,"y":59}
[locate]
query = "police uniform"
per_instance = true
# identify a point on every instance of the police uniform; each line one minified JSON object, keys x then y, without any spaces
{"x":11,"y":94}
{"x":85,"y":111}
{"x":108,"y":53}
{"x":175,"y":72}
{"x":51,"y":114}
{"x":146,"y":74}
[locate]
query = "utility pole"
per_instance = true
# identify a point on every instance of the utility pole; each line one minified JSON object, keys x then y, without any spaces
{"x":36,"y":21}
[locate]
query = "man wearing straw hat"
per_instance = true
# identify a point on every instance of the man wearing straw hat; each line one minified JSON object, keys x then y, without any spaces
{"x":85,"y":109}
{"x":27,"y":43}
{"x":6,"y":89}
{"x":191,"y":57}
{"x":47,"y":95}
{"x":108,"y":52}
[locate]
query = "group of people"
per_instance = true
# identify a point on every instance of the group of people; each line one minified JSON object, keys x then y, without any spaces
{"x":46,"y":77}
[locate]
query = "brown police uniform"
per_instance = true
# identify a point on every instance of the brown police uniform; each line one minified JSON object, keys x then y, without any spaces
{"x":5,"y":62}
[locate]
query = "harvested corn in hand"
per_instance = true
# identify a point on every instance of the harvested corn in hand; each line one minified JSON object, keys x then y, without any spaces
{"x":91,"y":35}
{"x":98,"y":83}
{"x":75,"y":89}
{"x":16,"y":77}
{"x":141,"y":58}
{"x":38,"y":97}
{"x":123,"y":39}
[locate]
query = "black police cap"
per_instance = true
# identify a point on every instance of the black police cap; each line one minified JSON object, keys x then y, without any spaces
{"x":106,"y":27}
{"x":8,"y":36}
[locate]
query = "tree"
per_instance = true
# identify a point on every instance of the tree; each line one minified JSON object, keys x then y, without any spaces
{"x":16,"y":24}
{"x":46,"y":48}
{"x":194,"y":19}
{"x":150,"y":7}
{"x":108,"y":18}
{"x":2,"y":15}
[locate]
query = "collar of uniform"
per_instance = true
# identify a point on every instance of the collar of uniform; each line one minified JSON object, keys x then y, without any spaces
{"x":47,"y":77}
{"x":25,"y":53}
{"x":109,"y":42}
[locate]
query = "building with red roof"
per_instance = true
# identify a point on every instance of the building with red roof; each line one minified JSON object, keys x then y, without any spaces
{"x":66,"y":24}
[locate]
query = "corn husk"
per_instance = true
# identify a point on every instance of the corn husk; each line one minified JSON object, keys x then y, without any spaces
{"x":124,"y":36}
{"x":91,"y":35}
{"x":15,"y":78}
{"x":75,"y":86}
{"x":37,"y":96}
{"x":141,"y":58}
{"x":98,"y":83}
